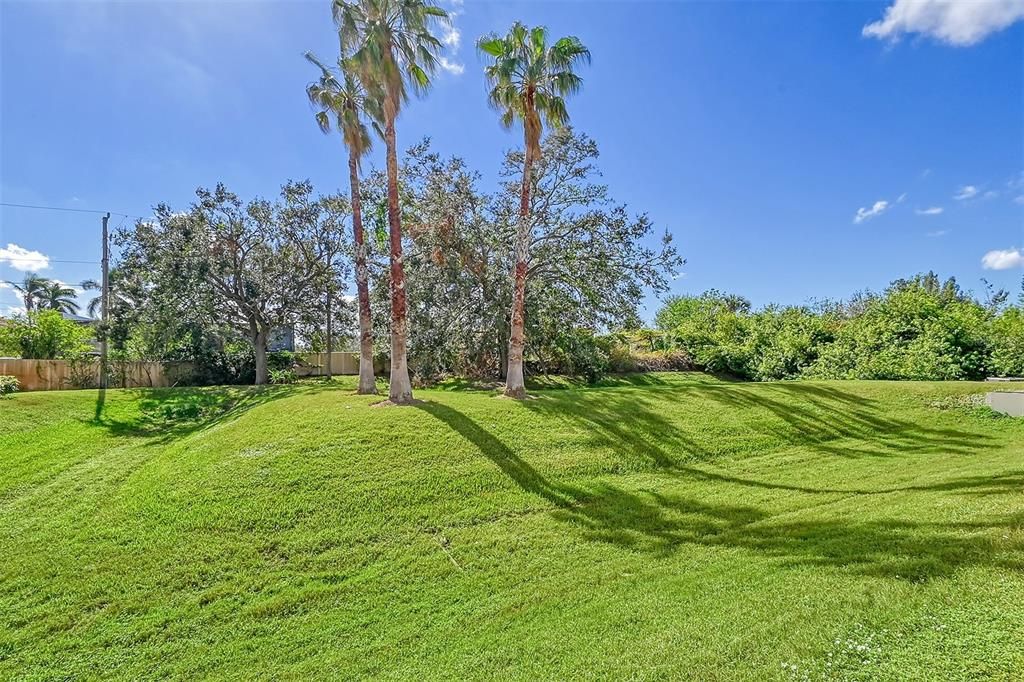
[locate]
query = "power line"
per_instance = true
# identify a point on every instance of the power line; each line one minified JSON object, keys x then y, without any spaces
{"x":71,"y":210}
{"x":49,"y":260}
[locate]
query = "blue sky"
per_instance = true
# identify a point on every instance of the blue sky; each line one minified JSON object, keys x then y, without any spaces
{"x":792,"y":152}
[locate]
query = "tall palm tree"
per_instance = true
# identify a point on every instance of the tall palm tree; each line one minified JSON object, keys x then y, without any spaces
{"x":56,"y":296}
{"x":392,"y":47}
{"x":341,"y":102}
{"x":30,"y":289}
{"x":529,"y":82}
{"x":95,"y":305}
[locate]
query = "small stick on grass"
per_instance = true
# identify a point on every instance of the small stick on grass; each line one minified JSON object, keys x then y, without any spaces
{"x":442,"y":542}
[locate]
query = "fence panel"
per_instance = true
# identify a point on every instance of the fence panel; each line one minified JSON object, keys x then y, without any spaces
{"x":315,"y":364}
{"x":54,"y":375}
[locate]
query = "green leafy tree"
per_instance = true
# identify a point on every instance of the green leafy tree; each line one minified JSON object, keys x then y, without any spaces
{"x":254,"y":267}
{"x":392,"y":49}
{"x":592,"y":260}
{"x":1008,"y":342}
{"x":530,"y":80}
{"x":341,"y":103}
{"x":44,"y":335}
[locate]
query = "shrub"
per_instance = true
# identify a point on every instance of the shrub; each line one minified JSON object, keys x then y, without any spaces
{"x":663,"y":361}
{"x":44,"y":335}
{"x":575,"y":352}
{"x":8,"y":385}
{"x":911,"y":332}
{"x":1008,"y":343}
{"x":282,"y":376}
{"x":282,"y":359}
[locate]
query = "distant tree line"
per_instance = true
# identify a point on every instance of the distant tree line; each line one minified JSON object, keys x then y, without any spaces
{"x":920,"y":328}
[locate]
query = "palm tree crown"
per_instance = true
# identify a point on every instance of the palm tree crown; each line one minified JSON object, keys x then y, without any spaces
{"x":30,"y":289}
{"x":530,"y":80}
{"x":391,"y":44}
{"x":56,"y":296}
{"x":341,"y":103}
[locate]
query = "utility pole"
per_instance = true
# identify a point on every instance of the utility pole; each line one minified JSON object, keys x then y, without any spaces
{"x":105,"y":294}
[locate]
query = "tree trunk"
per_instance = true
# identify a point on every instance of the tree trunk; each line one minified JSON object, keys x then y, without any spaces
{"x":330,"y":337}
{"x":367,"y":382}
{"x":514,"y":383}
{"x":400,"y":391}
{"x":259,"y":347}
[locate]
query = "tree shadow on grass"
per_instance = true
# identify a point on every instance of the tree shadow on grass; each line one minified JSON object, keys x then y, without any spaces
{"x":829,"y":420}
{"x":165,"y":414}
{"x":660,"y":524}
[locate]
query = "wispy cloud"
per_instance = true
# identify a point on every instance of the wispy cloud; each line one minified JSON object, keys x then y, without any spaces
{"x":877,"y":209}
{"x":451,"y":67}
{"x":962,"y":23}
{"x":452,"y":39}
{"x":1019,"y":200}
{"x":1003,"y":259}
{"x":934,"y":210}
{"x":25,"y":260}
{"x":966,"y":192}
{"x":937,"y":233}
{"x":12,"y":310}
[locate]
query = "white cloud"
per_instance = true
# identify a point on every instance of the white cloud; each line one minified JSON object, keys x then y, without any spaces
{"x":23,"y":259}
{"x":901,"y":198}
{"x":451,"y":67}
{"x":991,"y":194}
{"x":960,"y":23}
{"x":938,"y":233}
{"x":934,"y":210}
{"x":877,"y":209}
{"x":966,"y":192}
{"x":1019,"y":200}
{"x":1002,"y":259}
{"x":452,"y":37}
{"x":12,"y":310}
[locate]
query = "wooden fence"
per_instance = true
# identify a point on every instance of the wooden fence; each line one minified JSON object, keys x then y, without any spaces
{"x":315,"y":364}
{"x":53,"y":375}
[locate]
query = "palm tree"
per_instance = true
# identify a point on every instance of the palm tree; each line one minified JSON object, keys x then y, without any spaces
{"x":56,"y":296}
{"x":391,"y":46}
{"x":95,"y":305}
{"x":529,"y":82}
{"x":345,"y":101}
{"x":30,"y":289}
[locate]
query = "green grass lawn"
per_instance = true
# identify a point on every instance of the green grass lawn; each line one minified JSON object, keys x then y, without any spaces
{"x":660,"y":527}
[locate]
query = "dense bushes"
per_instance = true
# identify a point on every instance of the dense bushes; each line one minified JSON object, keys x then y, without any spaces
{"x":917,"y":329}
{"x":44,"y":335}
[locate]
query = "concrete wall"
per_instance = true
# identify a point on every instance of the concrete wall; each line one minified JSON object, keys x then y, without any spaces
{"x":1007,"y":402}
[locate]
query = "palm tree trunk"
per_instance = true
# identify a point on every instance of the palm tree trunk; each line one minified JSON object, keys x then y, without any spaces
{"x":367,"y":382}
{"x":400,"y":391}
{"x":515,"y":386}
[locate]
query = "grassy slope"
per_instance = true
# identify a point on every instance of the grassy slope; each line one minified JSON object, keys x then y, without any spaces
{"x":673,"y":526}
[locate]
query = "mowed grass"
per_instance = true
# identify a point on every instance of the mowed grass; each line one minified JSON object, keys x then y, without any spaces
{"x":659,"y":527}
